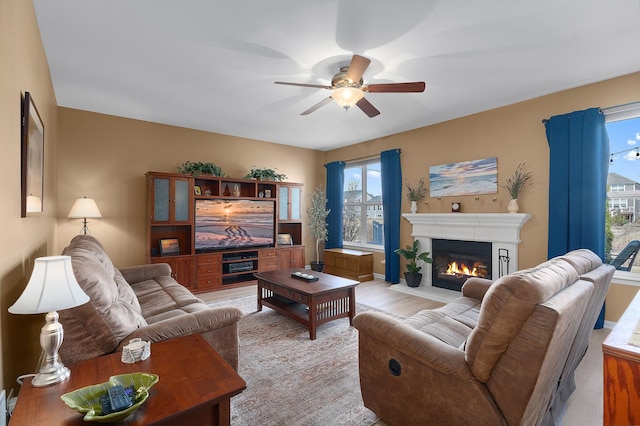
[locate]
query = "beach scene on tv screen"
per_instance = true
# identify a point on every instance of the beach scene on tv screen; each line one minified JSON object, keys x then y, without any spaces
{"x":233,"y":223}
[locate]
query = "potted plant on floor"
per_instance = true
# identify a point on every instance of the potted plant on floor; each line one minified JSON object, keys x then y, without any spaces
{"x":318,"y":213}
{"x":413,"y":277}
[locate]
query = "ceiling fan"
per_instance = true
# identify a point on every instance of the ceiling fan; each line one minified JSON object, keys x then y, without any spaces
{"x":348,"y":89}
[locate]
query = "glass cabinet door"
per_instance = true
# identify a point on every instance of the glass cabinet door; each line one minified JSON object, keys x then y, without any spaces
{"x":283,"y":213}
{"x":181,"y":200}
{"x":161,"y":200}
{"x":295,"y":203}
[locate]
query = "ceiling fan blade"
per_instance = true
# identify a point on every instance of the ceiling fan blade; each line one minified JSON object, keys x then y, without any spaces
{"x":367,"y":108}
{"x":317,"y":86}
{"x":417,"y":86}
{"x":357,"y":67}
{"x":317,"y":106}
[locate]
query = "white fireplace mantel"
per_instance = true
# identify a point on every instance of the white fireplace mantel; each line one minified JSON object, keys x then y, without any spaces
{"x":501,"y":229}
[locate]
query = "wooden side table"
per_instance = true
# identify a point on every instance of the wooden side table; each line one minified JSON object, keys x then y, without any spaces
{"x":195,"y":387}
{"x":621,"y":370}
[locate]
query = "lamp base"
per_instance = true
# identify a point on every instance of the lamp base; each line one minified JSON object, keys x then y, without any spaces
{"x":51,"y":376}
{"x":52,"y":371}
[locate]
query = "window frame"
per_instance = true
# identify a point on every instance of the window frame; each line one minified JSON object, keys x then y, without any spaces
{"x":363,"y":204}
{"x":620,"y":113}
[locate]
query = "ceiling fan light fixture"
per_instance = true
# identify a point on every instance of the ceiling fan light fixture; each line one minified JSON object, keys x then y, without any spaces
{"x":347,"y":97}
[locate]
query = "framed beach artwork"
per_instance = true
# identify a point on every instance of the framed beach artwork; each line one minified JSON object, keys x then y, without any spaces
{"x":32,"y":153}
{"x":464,"y":178}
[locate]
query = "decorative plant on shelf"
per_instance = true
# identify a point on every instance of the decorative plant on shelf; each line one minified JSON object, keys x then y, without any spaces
{"x":515,"y":184}
{"x":196,"y":169}
{"x":265,"y":174}
{"x":318,"y":213}
{"x":415,"y":194}
{"x":413,"y":275}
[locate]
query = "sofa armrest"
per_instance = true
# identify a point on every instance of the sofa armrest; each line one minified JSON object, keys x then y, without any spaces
{"x":183,"y":325}
{"x":476,"y":287}
{"x":422,"y":347}
{"x":136,"y":274}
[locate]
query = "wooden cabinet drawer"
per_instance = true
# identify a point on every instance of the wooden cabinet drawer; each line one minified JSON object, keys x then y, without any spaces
{"x":208,"y":281}
{"x":285,"y":292}
{"x":208,"y":259}
{"x":208,"y":269}
{"x":267,"y":254}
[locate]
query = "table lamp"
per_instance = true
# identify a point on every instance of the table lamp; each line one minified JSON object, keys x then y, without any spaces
{"x":84,"y":208}
{"x":52,"y":287}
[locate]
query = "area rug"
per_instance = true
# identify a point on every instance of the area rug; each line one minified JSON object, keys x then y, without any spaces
{"x":292,"y":380}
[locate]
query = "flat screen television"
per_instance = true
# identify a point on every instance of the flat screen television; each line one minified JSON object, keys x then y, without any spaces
{"x":231,"y":224}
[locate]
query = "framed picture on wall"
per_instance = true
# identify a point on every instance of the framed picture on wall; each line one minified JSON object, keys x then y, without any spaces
{"x":169,"y":246}
{"x":32,"y":158}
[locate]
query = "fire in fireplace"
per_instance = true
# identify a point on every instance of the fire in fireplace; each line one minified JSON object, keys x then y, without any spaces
{"x":454,"y":261}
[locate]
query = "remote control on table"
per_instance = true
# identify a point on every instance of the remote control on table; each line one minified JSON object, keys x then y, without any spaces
{"x":118,"y":398}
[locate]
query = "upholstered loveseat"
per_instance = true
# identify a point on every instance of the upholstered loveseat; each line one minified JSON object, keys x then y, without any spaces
{"x":141,"y":301}
{"x":502,"y":354}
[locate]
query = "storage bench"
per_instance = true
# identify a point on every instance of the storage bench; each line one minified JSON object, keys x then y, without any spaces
{"x":354,"y":264}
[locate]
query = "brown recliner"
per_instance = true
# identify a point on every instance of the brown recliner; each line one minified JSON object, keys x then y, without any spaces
{"x":494,"y":356}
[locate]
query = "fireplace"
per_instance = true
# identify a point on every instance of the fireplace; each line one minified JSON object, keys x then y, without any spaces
{"x":501,"y":231}
{"x":454,"y":261}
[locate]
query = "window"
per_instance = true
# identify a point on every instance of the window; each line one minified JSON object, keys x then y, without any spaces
{"x":623,"y":181}
{"x":362,"y":216}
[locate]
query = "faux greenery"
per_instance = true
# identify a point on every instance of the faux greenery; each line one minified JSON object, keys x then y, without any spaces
{"x":411,"y":254}
{"x":265,"y":174}
{"x":516,"y":183}
{"x":318,"y":213}
{"x":416,"y":193}
{"x":196,"y":169}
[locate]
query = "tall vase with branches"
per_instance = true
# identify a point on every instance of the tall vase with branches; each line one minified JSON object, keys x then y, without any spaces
{"x":318,"y":213}
{"x":515,"y":184}
{"x":415,"y":193}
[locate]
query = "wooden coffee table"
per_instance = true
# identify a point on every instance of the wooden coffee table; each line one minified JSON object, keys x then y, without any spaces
{"x":310,"y":303}
{"x":194,"y":387}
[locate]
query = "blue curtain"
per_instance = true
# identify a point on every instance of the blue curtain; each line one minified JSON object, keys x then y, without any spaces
{"x":578,"y":168}
{"x":391,"y":202}
{"x":335,"y":202}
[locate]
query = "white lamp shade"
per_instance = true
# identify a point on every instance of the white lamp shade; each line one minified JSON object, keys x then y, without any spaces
{"x":84,"y":208}
{"x":52,"y":287}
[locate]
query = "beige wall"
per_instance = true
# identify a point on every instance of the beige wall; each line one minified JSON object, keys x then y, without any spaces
{"x":513,"y":134}
{"x":106,"y":157}
{"x":23,"y":68}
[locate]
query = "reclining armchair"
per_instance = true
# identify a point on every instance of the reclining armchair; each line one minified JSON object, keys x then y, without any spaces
{"x":497,"y":355}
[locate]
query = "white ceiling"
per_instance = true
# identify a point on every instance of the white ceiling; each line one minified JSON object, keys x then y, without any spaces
{"x":210,"y":65}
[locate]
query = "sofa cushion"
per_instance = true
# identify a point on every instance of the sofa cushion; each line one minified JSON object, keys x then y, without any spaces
{"x":506,"y":307}
{"x":111,"y":296}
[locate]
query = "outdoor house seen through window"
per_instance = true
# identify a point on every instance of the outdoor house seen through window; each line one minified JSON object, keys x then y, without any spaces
{"x":623,"y":189}
{"x":362,"y":216}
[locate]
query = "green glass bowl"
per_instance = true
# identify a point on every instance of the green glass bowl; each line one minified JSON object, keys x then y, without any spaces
{"x":87,"y":400}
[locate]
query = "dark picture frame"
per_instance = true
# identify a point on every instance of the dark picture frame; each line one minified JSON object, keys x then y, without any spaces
{"x":32,"y":158}
{"x":169,"y":246}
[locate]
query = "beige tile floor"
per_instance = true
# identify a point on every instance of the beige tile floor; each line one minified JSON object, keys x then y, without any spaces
{"x":584,"y":407}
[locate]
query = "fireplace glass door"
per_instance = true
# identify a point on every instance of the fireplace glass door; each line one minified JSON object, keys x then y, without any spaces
{"x":454,"y":261}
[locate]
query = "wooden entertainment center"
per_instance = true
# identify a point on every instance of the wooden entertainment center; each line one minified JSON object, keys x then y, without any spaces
{"x":171,"y":207}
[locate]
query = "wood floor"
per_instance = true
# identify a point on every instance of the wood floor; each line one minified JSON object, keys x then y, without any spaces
{"x":584,"y":408}
{"x":374,"y":293}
